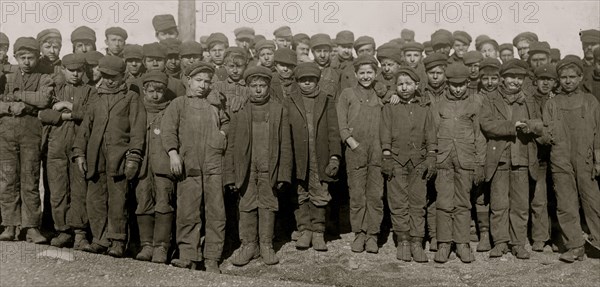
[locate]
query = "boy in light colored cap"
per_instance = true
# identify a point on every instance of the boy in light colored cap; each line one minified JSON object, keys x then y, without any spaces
{"x":283,"y":37}
{"x":50,"y":44}
{"x":364,"y":45}
{"x":462,"y":41}
{"x":165,"y":27}
{"x":83,"y":39}
{"x":321,"y":46}
{"x":116,"y":38}
{"x":217,"y":43}
{"x":522,"y":42}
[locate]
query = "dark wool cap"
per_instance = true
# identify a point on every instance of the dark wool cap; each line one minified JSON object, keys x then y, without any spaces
{"x":407,"y":35}
{"x":568,"y":60}
{"x":344,"y":38}
{"x":93,"y":57}
{"x":156,"y":76}
{"x":532,"y":37}
{"x":286,"y":56}
{"x":269,"y":44}
{"x":555,"y":54}
{"x":172,"y":45}
{"x":410,"y":71}
{"x":442,"y":36}
{"x":261,"y":71}
{"x":413,"y":46}
{"x":155,"y":50}
{"x":244,"y":33}
{"x":390,"y":50}
{"x":548,"y":71}
{"x":27,"y":43}
{"x":590,"y":36}
{"x":199,"y":67}
{"x":190,"y":48}
{"x":73,"y":61}
{"x":435,"y":60}
{"x":217,"y":38}
{"x":463,"y":37}
{"x":514,"y":66}
{"x":364,"y":40}
{"x":506,"y":46}
{"x":83,"y":33}
{"x":163,"y":22}
{"x":490,"y":63}
{"x":116,"y":31}
{"x":132,"y":51}
{"x":363,"y":60}
{"x":300,"y":37}
{"x":320,"y":40}
{"x":47,"y":34}
{"x":283,"y":31}
{"x":307,"y":69}
{"x":539,"y":47}
{"x":111,"y":65}
{"x":472,"y":57}
{"x":457,"y":73}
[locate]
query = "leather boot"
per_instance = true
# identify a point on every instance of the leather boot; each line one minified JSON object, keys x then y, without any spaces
{"x":304,"y":226}
{"x":371,"y":244}
{"x":162,"y":237}
{"x":358,"y":245}
{"x":463,"y":251}
{"x":416,"y":250}
{"x":34,"y":236}
{"x":484,"y":241}
{"x":8,"y":234}
{"x":520,"y":252}
{"x":248,"y":226}
{"x":317,"y":214}
{"x":62,"y":240}
{"x":266,"y":224}
{"x":146,"y":228}
{"x":403,"y":249}
{"x":80,"y":239}
{"x":443,"y":253}
{"x":573,"y":254}
{"x":116,"y":249}
{"x":499,"y":250}
{"x":95,"y":248}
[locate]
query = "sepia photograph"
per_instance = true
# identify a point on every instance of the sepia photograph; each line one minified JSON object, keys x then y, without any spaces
{"x":299,"y":143}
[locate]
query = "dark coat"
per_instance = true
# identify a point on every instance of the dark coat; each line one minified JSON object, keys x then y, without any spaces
{"x":500,"y":131}
{"x":327,"y":136}
{"x":238,"y":155}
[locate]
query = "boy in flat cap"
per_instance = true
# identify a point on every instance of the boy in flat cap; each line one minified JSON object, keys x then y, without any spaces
{"x":165,"y":27}
{"x":412,"y":53}
{"x":233,"y":90}
{"x":301,"y":45}
{"x":427,"y":49}
{"x":539,"y":54}
{"x":283,"y":37}
{"x":408,"y":170}
{"x":317,"y":153}
{"x":155,"y":59}
{"x":266,"y":53}
{"x":50,"y":44}
{"x":506,"y":51}
{"x":116,"y":38}
{"x":442,"y":41}
{"x":364,"y":45}
{"x":83,"y":39}
{"x":487,"y":46}
{"x":193,"y":133}
{"x":508,"y":120}
{"x":190,"y":52}
{"x":173,"y":64}
{"x":472,"y":60}
{"x":573,"y":120}
{"x":66,"y":185}
{"x":390,"y":57}
{"x":134,"y":69}
{"x":343,"y":61}
{"x":155,"y":189}
{"x":217,"y":43}
{"x":590,"y":41}
{"x":92,"y":75}
{"x":359,"y":113}
{"x":258,"y":162}
{"x":244,"y":38}
{"x":460,"y":162}
{"x":321,"y":46}
{"x":26,"y":92}
{"x":283,"y":80}
{"x":522,"y":42}
{"x":462,"y":41}
{"x":108,"y":150}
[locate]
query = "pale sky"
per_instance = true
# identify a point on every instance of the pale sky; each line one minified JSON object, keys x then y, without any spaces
{"x":557,"y":22}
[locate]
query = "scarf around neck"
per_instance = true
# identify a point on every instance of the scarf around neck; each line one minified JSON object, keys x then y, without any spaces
{"x":511,"y":97}
{"x":154,"y":107}
{"x":103,"y":89}
{"x":312,"y":94}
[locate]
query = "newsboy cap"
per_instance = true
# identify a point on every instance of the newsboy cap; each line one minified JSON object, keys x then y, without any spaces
{"x":244,"y":33}
{"x":489,"y":66}
{"x":457,"y":73}
{"x":198,"y":67}
{"x":539,"y":47}
{"x":472,"y":57}
{"x":286,"y":56}
{"x":307,"y":69}
{"x":569,"y":60}
{"x":410,"y":71}
{"x":26,"y":43}
{"x":73,"y":61}
{"x":155,"y":50}
{"x":390,"y":50}
{"x":364,"y":60}
{"x":93,"y":57}
{"x":190,"y":48}
{"x":547,"y":70}
{"x":4,"y":39}
{"x":435,"y":60}
{"x":506,"y":46}
{"x":163,"y":22}
{"x":133,"y":51}
{"x":111,"y":65}
{"x":590,"y":36}
{"x":217,"y":38}
{"x":530,"y":36}
{"x":514,"y":66}
{"x":300,"y":37}
{"x":264,"y":44}
{"x":259,"y":71}
{"x":413,"y":46}
{"x":283,"y":31}
{"x":320,"y":40}
{"x":172,"y":45}
{"x":344,"y":37}
{"x":116,"y":31}
{"x":47,"y":34}
{"x":83,"y":33}
{"x":156,"y":76}
{"x":364,"y":40}
{"x":463,"y":37}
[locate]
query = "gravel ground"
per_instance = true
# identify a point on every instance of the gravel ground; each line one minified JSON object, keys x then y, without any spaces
{"x":23,"y":264}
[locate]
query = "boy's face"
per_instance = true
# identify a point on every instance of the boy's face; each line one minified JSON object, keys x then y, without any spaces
{"x":366,"y":50}
{"x":283,"y":42}
{"x":154,"y":64}
{"x":321,"y":55}
{"x":27,"y":61}
{"x":523,"y":49}
{"x":460,"y":48}
{"x":83,"y":47}
{"x":188,"y":60}
{"x":51,"y":50}
{"x":458,"y":89}
{"x":173,"y":62}
{"x":3,"y":51}
{"x":412,"y":58}
{"x":545,"y":85}
{"x":199,"y":84}
{"x":474,"y":70}
{"x":488,"y":51}
{"x":112,"y":81}
{"x":302,"y":49}
{"x":539,"y":59}
{"x":308,"y":84}
{"x":506,"y":55}
{"x":73,"y":77}
{"x":285,"y":71}
{"x":569,"y":79}
{"x":115,"y":44}
{"x":217,"y":54}
{"x":167,"y":34}
{"x":154,"y":94}
{"x":406,"y":86}
{"x":490,"y":82}
{"x":365,"y":75}
{"x":389,"y":68}
{"x":259,"y":88}
{"x":266,"y":57}
{"x":513,"y":82}
{"x":436,"y":76}
{"x":235,"y":70}
{"x":345,"y":51}
{"x":133,"y":66}
{"x":442,"y":49}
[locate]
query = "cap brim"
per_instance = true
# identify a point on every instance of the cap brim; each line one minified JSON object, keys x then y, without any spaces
{"x":245,"y":37}
{"x":286,"y":62}
{"x":74,"y":66}
{"x":341,"y":42}
{"x":307,"y":75}
{"x":515,"y":71}
{"x":546,"y":75}
{"x":458,"y":80}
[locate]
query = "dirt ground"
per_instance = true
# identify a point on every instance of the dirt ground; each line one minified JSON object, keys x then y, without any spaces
{"x":24,"y":264}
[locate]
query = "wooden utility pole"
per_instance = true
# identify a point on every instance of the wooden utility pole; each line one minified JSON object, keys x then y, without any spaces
{"x":187,"y":20}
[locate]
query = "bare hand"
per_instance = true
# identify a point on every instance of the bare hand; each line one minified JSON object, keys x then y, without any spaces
{"x":176,"y":163}
{"x":62,"y":106}
{"x":394,"y":99}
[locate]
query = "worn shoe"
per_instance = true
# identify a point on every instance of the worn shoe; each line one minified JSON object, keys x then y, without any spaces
{"x":212,"y":266}
{"x":295,"y":235}
{"x":34,"y":236}
{"x":318,"y":241}
{"x":403,"y":251}
{"x":433,"y":245}
{"x":267,"y":253}
{"x":61,"y":240}
{"x":538,"y":246}
{"x":484,"y":242}
{"x":304,"y":240}
{"x":245,"y":254}
{"x":80,"y":241}
{"x":573,"y":254}
{"x":160,"y":254}
{"x":94,"y":248}
{"x":499,"y":250}
{"x":117,"y":249}
{"x":520,"y":252}
{"x":182,"y":263}
{"x":417,"y":252}
{"x":146,"y":253}
{"x":8,"y":234}
{"x":371,"y":244}
{"x":443,"y":253}
{"x":463,"y":251}
{"x":358,"y":245}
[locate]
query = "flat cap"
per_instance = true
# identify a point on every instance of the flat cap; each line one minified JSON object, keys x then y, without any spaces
{"x":83,"y":33}
{"x":236,"y":51}
{"x":156,"y":76}
{"x":198,"y":67}
{"x":555,"y":54}
{"x":244,"y":33}
{"x":190,"y":48}
{"x":569,"y":60}
{"x":259,"y":38}
{"x":364,"y":40}
{"x":505,"y":46}
{"x":410,"y":71}
{"x":472,"y":57}
{"x":217,"y":38}
{"x":133,"y":51}
{"x":427,"y":46}
{"x":590,"y":36}
{"x":484,"y":39}
{"x":47,"y":34}
{"x":203,"y":39}
{"x":320,"y":40}
{"x":441,"y":39}
{"x":539,"y":47}
{"x":435,"y":60}
{"x":283,"y":31}
{"x":547,"y":70}
{"x":530,"y":36}
{"x":457,"y":73}
{"x":111,"y":65}
{"x":515,"y":67}
{"x":490,"y":65}
{"x":413,"y":46}
{"x":163,"y":22}
{"x":172,"y":45}
{"x":93,"y":57}
{"x":116,"y":31}
{"x":364,"y":60}
{"x":73,"y":61}
{"x":462,"y":36}
{"x":344,"y":37}
{"x":307,"y":69}
{"x":264,"y":44}
{"x":300,"y":37}
{"x":4,"y":39}
{"x":390,"y":50}
{"x":155,"y":50}
{"x":286,"y":56}
{"x":259,"y":71}
{"x":408,"y":35}
{"x":27,"y":43}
